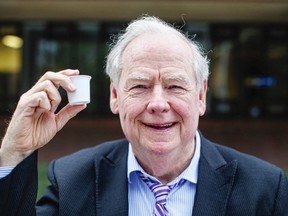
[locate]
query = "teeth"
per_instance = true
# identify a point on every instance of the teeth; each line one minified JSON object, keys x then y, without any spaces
{"x":167,"y":125}
{"x":162,"y":126}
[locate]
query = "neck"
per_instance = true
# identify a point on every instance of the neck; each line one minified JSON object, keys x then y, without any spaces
{"x":166,"y":167}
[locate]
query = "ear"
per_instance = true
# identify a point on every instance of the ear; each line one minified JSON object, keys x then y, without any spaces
{"x":202,"y":98}
{"x":113,"y":99}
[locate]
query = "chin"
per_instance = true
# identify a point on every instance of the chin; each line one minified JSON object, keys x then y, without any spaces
{"x":160,"y":149}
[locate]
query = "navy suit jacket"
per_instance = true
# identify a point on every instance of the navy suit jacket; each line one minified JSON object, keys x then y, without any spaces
{"x":94,"y":182}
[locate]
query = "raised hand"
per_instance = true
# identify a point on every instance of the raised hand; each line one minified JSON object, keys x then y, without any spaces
{"x":34,"y":122}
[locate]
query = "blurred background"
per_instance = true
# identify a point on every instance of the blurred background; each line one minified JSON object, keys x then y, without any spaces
{"x":246,"y":40}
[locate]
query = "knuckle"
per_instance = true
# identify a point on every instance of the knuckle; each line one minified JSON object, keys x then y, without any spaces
{"x":47,"y":82}
{"x":48,"y":74}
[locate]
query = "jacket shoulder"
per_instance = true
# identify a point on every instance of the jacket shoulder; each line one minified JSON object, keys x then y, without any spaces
{"x":83,"y":160}
{"x":249,"y":168}
{"x":247,"y":162}
{"x":98,"y":150}
{"x":228,"y":154}
{"x":260,"y":186}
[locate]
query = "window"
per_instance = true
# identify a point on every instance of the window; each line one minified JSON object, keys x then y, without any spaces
{"x":249,"y":63}
{"x":10,"y":65}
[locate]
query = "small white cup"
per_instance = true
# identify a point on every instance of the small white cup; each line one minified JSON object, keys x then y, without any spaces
{"x":82,"y":93}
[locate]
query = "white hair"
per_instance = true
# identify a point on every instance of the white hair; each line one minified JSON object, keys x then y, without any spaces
{"x":149,"y":24}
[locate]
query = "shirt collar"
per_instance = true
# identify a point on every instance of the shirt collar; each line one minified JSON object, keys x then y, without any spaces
{"x":190,"y":173}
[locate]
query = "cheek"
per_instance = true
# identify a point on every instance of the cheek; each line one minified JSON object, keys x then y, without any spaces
{"x":187,"y":107}
{"x":189,"y":113}
{"x":129,"y":110}
{"x":130,"y":106}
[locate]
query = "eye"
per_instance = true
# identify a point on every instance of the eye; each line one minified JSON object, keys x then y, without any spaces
{"x":175,"y":87}
{"x":139,"y":87}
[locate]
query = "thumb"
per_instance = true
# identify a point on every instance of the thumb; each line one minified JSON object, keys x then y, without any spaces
{"x":67,"y":113}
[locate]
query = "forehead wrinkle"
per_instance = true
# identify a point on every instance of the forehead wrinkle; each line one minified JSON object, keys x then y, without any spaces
{"x":148,"y":53}
{"x":161,"y":60}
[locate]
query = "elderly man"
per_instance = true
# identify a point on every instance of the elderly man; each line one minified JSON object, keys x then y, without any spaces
{"x":164,"y":166}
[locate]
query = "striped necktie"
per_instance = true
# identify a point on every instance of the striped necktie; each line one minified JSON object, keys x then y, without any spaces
{"x":160,"y":192}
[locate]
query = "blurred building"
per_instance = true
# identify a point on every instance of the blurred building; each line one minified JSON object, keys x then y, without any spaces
{"x":246,"y":40}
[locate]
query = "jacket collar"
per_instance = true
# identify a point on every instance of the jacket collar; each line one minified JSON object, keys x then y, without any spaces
{"x":215,"y":181}
{"x":111,"y":181}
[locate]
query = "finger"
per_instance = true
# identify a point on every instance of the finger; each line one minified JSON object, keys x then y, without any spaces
{"x":69,"y":72}
{"x":29,"y":104}
{"x":60,"y":79}
{"x":51,"y":92}
{"x":66,"y":113}
{"x":66,"y":72}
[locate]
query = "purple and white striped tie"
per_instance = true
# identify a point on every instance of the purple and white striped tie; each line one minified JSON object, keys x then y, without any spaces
{"x":160,"y":192}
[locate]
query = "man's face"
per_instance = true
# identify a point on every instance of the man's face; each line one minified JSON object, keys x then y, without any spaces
{"x":157,"y":98}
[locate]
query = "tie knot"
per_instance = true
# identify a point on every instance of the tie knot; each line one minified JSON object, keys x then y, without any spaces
{"x":159,"y":190}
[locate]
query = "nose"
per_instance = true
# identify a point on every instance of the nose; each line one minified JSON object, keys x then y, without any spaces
{"x":158,"y":102}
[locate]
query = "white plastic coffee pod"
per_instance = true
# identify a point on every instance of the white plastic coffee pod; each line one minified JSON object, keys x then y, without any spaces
{"x":82,"y":93}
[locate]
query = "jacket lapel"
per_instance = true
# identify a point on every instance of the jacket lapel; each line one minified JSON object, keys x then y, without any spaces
{"x":215,"y":181}
{"x":111,"y":182}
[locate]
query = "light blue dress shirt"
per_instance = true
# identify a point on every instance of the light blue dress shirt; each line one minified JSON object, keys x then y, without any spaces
{"x":4,"y":171}
{"x":180,"y":200}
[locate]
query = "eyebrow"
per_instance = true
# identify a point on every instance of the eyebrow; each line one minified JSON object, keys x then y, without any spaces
{"x":177,"y":78}
{"x":137,"y":77}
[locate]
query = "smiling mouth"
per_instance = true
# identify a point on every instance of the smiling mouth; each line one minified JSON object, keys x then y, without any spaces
{"x":160,"y":126}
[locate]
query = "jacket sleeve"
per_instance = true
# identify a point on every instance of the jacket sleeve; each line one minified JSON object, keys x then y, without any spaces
{"x":18,"y":190}
{"x":281,"y":199}
{"x":48,"y":204}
